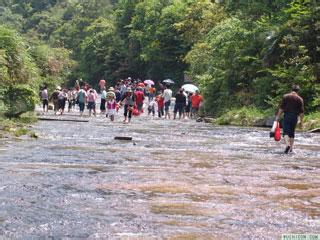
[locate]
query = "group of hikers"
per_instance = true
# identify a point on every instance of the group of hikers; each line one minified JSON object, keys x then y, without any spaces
{"x":130,"y":94}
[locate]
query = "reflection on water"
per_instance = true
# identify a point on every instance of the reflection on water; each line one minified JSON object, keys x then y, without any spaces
{"x":175,"y":180}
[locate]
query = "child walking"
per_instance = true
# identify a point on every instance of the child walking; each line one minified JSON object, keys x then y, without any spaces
{"x":111,"y":106}
{"x":152,"y":107}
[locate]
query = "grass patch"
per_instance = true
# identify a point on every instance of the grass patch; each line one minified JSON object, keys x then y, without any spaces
{"x":18,"y":132}
{"x":245,"y":116}
{"x":27,"y":118}
{"x":312,"y":121}
{"x":18,"y":126}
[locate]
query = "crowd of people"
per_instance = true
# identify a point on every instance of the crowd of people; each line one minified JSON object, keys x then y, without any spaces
{"x":131,"y":95}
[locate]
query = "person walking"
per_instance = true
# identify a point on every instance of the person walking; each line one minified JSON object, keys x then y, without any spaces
{"x":188,"y":107}
{"x":160,"y":103}
{"x":111,"y":106}
{"x":129,"y":102}
{"x":103,"y":100}
{"x":45,"y":99}
{"x":293,"y":108}
{"x":62,"y":98}
{"x":152,"y":107}
{"x":92,"y":97}
{"x":167,"y":95}
{"x":139,"y":96}
{"x":180,"y":104}
{"x":81,"y":99}
{"x":55,"y":99}
{"x":196,"y":100}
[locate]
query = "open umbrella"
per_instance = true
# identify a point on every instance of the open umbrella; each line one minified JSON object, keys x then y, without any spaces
{"x":190,"y":88}
{"x":149,"y":82}
{"x":168,"y":81}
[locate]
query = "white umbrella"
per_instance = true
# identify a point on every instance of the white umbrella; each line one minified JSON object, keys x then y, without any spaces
{"x":168,"y":81}
{"x":149,"y":82}
{"x":190,"y":88}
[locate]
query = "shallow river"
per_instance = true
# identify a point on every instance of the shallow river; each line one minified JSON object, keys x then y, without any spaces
{"x":175,"y":180}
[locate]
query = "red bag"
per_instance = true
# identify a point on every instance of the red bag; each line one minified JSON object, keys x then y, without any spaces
{"x":135,"y":112}
{"x":277,"y":133}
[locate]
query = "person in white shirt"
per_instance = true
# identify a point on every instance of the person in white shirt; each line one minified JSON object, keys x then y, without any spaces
{"x":152,"y":107}
{"x":167,"y":95}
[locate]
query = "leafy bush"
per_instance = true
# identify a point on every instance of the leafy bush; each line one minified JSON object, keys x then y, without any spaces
{"x":19,"y":99}
{"x":312,"y":121}
{"x":245,"y":116}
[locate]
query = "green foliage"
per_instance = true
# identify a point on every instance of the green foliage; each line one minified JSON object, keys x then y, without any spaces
{"x":198,"y":20}
{"x":19,"y":99}
{"x":101,"y":51}
{"x":245,"y":116}
{"x":28,"y":117}
{"x":229,"y":56}
{"x":16,"y":64}
{"x":312,"y":121}
{"x":241,"y":53}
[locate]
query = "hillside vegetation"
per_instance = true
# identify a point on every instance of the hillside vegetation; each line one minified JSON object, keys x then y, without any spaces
{"x":241,"y":53}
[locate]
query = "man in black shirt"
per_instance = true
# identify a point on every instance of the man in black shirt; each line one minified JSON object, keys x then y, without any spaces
{"x":292,"y":107}
{"x":181,"y":101}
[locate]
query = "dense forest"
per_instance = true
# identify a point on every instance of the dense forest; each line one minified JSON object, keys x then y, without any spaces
{"x":240,"y":52}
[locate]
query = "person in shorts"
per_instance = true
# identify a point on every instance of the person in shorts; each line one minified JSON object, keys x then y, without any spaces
{"x":81,"y":99}
{"x":55,"y":99}
{"x":293,"y":108}
{"x":129,"y":102}
{"x":92,"y":102}
{"x":62,"y":98}
{"x":111,"y":106}
{"x":180,"y":104}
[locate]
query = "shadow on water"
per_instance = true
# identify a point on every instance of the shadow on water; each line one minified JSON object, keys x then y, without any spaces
{"x":175,"y":180}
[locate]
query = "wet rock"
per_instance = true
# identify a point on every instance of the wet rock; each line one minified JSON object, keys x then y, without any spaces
{"x":266,"y":122}
{"x":208,"y":120}
{"x":123,"y":138}
{"x":199,"y":120}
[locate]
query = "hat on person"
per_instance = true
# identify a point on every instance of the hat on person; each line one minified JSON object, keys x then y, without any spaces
{"x":111,"y":89}
{"x":58,"y":88}
{"x":295,"y":88}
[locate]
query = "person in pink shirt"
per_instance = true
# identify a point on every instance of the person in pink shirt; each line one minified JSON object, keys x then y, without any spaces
{"x":91,"y":99}
{"x":111,"y":106}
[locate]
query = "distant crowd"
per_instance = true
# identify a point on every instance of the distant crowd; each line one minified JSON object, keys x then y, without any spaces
{"x":131,"y":95}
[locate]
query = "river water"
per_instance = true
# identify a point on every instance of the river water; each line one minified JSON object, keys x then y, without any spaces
{"x":175,"y":180}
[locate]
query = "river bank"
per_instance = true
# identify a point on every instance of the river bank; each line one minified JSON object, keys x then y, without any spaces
{"x":253,"y":117}
{"x":18,"y":127}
